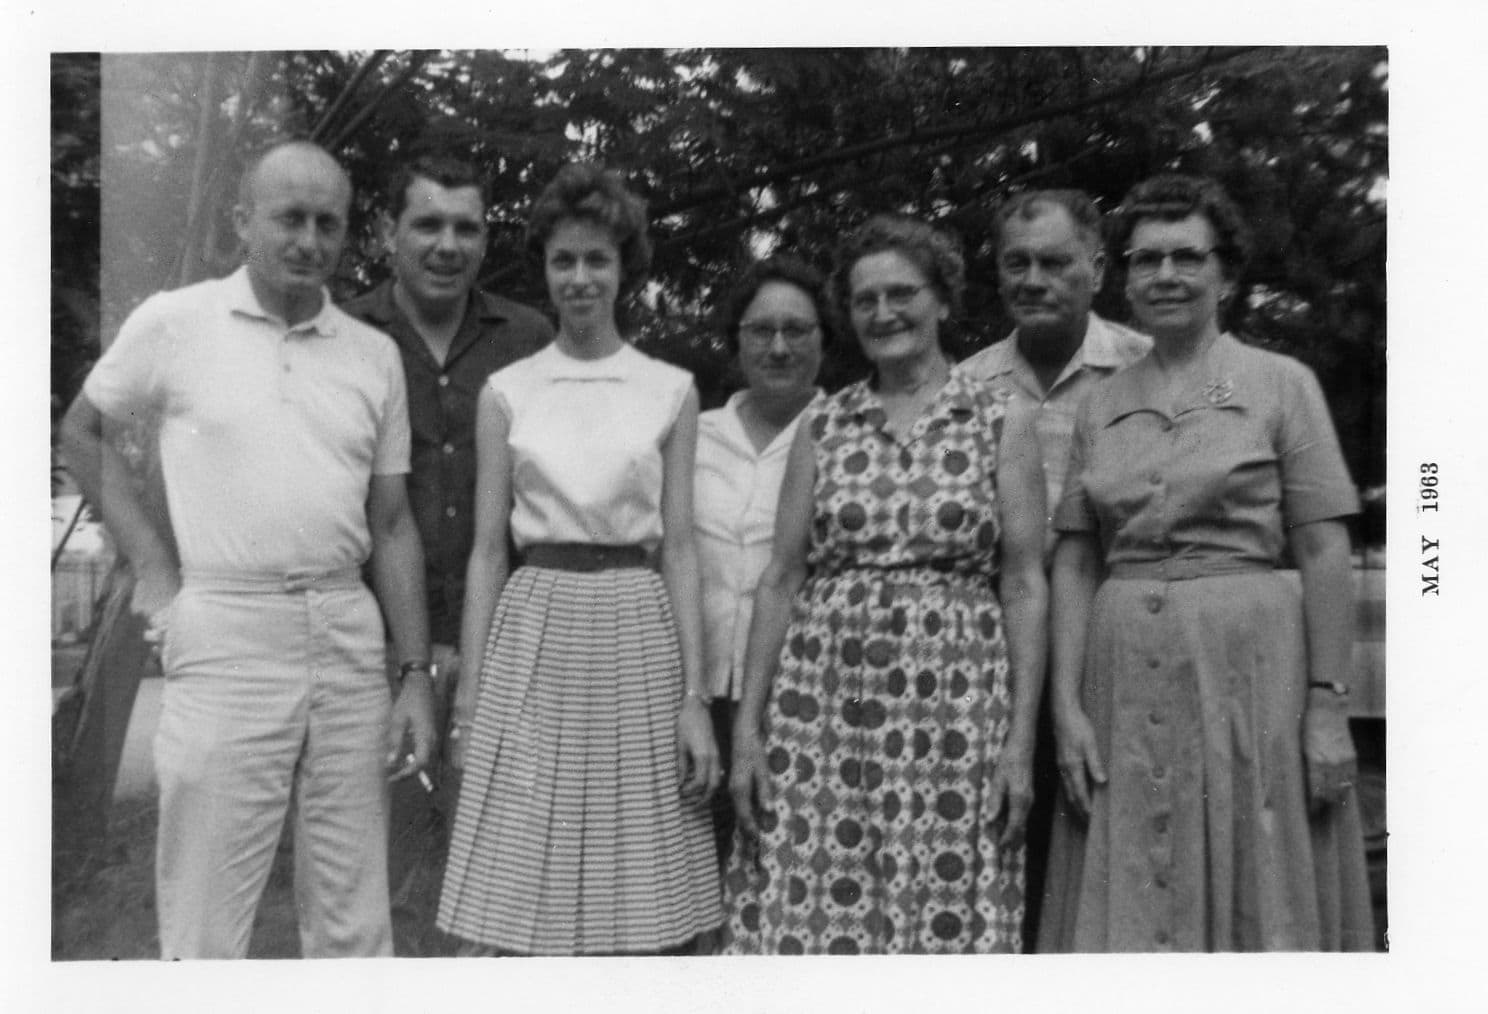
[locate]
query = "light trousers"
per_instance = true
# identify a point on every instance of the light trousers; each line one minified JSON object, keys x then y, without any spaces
{"x":273,"y":689}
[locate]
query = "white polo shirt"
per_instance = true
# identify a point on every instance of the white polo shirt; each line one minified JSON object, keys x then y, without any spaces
{"x":269,"y":434}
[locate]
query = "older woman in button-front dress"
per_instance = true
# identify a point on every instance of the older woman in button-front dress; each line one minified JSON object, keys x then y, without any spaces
{"x":1197,"y":695}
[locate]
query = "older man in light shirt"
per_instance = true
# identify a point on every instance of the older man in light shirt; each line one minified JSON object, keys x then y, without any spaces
{"x":1050,"y":265}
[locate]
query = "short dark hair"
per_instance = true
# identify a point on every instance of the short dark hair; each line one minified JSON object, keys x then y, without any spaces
{"x":592,"y":193}
{"x":934,"y":251}
{"x":1171,"y":197}
{"x":784,"y":268}
{"x":444,"y":170}
{"x":1029,"y":204}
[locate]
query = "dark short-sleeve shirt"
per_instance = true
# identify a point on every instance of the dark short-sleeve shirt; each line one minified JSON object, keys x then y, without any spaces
{"x":495,"y":333}
{"x":1218,"y":473}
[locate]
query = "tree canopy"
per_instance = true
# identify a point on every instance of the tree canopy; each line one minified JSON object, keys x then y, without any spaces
{"x":740,"y":151}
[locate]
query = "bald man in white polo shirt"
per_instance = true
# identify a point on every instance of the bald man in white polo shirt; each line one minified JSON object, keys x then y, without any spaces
{"x":283,"y":434}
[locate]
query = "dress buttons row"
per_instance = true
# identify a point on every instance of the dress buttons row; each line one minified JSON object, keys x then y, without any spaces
{"x":449,"y":512}
{"x":449,"y":448}
{"x":444,"y":380}
{"x":1154,"y":603}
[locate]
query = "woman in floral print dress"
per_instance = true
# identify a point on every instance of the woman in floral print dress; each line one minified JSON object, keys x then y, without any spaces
{"x":882,"y":748}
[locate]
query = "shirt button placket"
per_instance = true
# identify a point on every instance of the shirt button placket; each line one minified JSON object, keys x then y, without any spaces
{"x":1158,"y":742}
{"x":286,"y":368}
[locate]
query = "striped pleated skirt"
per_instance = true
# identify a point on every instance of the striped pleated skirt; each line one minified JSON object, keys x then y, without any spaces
{"x":571,"y":835}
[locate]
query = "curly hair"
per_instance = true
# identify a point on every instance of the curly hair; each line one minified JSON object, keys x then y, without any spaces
{"x":1172,"y":197}
{"x":450,"y":173}
{"x":784,"y":268}
{"x":592,"y":193}
{"x":934,"y":251}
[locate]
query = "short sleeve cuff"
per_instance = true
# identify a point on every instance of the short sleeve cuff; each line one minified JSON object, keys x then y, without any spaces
{"x":1321,"y":503}
{"x":1074,"y":514}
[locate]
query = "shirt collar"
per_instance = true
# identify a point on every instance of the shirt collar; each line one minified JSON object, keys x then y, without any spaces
{"x":953,"y":400}
{"x":1105,"y":347}
{"x":1220,"y":385}
{"x":787,"y":433}
{"x":242,"y":300}
{"x":488,"y":305}
{"x":1003,"y":357}
{"x":383,"y":311}
{"x":1108,"y":346}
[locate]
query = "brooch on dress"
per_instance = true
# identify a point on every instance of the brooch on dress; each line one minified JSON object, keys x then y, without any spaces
{"x":1218,"y":391}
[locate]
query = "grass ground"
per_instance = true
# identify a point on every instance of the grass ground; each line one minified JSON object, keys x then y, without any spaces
{"x":103,"y":905}
{"x":106,"y":910}
{"x":103,"y":909}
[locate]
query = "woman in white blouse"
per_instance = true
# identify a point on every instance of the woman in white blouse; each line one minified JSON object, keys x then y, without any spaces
{"x":582,"y":825}
{"x":776,"y":322}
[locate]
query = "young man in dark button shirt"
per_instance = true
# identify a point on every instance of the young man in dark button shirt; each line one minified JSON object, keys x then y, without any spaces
{"x":451,"y":336}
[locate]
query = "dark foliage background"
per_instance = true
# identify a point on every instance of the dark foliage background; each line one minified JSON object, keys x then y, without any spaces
{"x":741,"y":150}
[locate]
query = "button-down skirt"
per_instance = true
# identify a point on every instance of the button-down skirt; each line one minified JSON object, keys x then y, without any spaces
{"x":1201,"y":839}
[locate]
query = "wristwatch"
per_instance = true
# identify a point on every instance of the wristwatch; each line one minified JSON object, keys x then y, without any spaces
{"x":408,"y":668}
{"x":1332,"y":686}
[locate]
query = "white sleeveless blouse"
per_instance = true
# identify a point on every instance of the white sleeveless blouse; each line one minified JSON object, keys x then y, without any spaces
{"x":586,"y":439}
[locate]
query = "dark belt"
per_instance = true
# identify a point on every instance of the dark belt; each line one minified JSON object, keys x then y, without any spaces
{"x":584,"y":556}
{"x":1180,"y":569}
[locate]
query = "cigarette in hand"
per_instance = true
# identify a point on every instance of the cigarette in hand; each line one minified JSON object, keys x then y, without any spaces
{"x":423,"y":776}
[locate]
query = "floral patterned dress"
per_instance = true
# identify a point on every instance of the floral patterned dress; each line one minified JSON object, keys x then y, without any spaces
{"x":891,"y":702}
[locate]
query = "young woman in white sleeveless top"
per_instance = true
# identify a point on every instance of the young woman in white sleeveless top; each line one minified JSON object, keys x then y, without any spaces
{"x":582,"y":825}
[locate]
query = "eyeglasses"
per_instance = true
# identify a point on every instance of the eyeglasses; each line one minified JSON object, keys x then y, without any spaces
{"x":897,"y":296}
{"x":759,"y":332}
{"x":1186,"y":260}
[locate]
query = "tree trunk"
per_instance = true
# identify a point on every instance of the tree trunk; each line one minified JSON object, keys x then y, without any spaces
{"x":192,"y":259}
